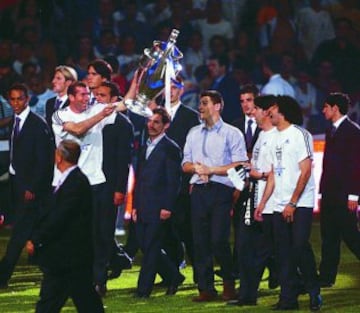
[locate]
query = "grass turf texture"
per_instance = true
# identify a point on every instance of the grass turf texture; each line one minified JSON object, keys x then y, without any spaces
{"x":23,"y":290}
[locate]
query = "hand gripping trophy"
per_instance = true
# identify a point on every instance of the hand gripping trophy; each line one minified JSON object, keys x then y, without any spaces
{"x":157,"y":67}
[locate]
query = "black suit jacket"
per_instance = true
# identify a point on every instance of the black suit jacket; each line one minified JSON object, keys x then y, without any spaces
{"x":184,"y":119}
{"x":230,"y":91}
{"x":157,"y":180}
{"x":118,"y":139}
{"x":63,"y":238}
{"x":240,"y":124}
{"x":341,"y":167}
{"x":32,"y":155}
{"x":49,"y":110}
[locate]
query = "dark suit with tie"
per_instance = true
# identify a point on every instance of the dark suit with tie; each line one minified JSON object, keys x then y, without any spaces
{"x":50,"y":109}
{"x":64,"y":248}
{"x":117,"y":152}
{"x":340,"y":178}
{"x":32,"y":157}
{"x":157,"y":187}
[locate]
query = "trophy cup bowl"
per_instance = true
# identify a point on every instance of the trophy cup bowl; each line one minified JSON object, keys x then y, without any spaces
{"x":151,"y":78}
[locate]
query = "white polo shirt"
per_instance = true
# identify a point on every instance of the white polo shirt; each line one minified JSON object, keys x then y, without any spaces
{"x":91,"y":158}
{"x":261,"y":161}
{"x":291,"y":146}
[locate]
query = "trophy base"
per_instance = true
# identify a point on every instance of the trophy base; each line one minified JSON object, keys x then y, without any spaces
{"x":138,"y":108}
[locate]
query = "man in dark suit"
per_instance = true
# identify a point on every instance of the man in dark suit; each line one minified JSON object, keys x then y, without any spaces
{"x":247,"y":125}
{"x":31,"y":169}
{"x":157,"y":185}
{"x":183,"y":119}
{"x":339,"y":187}
{"x":223,"y":82}
{"x":63,"y":242}
{"x":117,"y":152}
{"x":63,"y":77}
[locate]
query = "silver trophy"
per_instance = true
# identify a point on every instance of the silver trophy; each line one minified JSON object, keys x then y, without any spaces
{"x":157,"y":67}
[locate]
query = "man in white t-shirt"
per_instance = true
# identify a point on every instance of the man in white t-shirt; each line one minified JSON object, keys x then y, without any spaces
{"x":292,"y":184}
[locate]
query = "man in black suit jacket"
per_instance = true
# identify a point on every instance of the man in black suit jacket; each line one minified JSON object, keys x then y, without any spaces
{"x":117,"y":152}
{"x":223,"y":82}
{"x":157,"y":186}
{"x":31,"y":169}
{"x":63,"y":77}
{"x":183,"y":119}
{"x":62,"y":241}
{"x":339,"y":187}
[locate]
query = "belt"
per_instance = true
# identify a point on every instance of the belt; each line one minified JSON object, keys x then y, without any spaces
{"x":207,"y":185}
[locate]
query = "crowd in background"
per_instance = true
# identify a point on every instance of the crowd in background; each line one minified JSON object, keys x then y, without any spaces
{"x":317,"y":42}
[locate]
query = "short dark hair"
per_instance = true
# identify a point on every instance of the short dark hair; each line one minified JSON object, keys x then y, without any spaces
{"x":114,"y":89}
{"x":290,"y":108}
{"x":273,"y":62}
{"x":70,"y":150}
{"x":265,"y":102}
{"x":20,"y":87}
{"x":215,"y":96}
{"x":72,"y":88}
{"x":165,"y":117}
{"x":250,"y":88}
{"x":342,"y":100}
{"x":101,"y":67}
{"x":222,"y":59}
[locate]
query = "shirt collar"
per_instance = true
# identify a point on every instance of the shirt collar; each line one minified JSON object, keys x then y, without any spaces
{"x":216,"y":127}
{"x":65,"y":174}
{"x":24,"y":114}
{"x":174,"y":109}
{"x":339,"y":121}
{"x":155,"y":141}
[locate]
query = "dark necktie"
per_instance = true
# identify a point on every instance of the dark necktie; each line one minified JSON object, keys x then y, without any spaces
{"x":249,"y":134}
{"x":332,"y":131}
{"x":57,"y":104}
{"x":92,"y":101}
{"x":17,"y":126}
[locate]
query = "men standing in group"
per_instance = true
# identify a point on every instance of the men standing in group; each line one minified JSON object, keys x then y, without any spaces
{"x":62,"y":241}
{"x":210,"y":150}
{"x":158,"y":176}
{"x":117,"y":153}
{"x":31,"y":169}
{"x":292,"y":183}
{"x":339,"y":187}
{"x":63,"y":77}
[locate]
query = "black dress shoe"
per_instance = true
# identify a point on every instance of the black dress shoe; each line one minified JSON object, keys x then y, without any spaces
{"x":101,"y":290}
{"x":241,"y":302}
{"x":172,"y":289}
{"x":140,"y":295}
{"x":315,"y":302}
{"x":326,"y":284}
{"x":285,"y":306}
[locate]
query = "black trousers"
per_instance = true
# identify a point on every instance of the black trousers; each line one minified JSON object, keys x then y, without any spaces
{"x":210,"y":217}
{"x":104,"y":218}
{"x":292,"y":252}
{"x":26,"y":215}
{"x":336,"y":223}
{"x":56,"y":288}
{"x":150,"y":236}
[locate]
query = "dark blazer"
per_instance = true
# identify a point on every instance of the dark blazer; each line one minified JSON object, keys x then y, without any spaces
{"x":157,"y":180}
{"x":240,"y":124}
{"x":33,"y":155}
{"x":63,"y":238}
{"x":118,"y":139}
{"x":341,"y":167}
{"x":49,"y":110}
{"x":230,"y":91}
{"x":185,"y":118}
